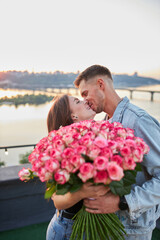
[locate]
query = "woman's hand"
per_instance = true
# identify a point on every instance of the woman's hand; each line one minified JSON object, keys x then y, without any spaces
{"x":88,"y":190}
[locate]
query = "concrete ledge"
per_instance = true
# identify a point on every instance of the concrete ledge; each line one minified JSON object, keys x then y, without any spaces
{"x":22,"y":204}
{"x":11,"y":173}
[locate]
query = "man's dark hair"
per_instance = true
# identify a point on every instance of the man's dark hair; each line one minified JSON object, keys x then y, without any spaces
{"x":92,"y":71}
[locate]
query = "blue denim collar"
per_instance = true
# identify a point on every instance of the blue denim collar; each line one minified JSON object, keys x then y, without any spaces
{"x":118,"y":113}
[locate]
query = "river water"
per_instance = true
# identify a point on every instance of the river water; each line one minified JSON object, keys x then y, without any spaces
{"x":26,"y":124}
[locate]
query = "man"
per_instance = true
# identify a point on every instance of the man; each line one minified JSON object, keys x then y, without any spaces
{"x":138,"y":210}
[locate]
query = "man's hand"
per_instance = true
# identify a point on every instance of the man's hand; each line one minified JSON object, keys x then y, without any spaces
{"x":103,"y":204}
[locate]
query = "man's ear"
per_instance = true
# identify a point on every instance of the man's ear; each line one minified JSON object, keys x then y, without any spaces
{"x":74,"y":117}
{"x":100,"y":83}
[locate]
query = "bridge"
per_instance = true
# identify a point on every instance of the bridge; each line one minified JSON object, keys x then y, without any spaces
{"x":72,"y":90}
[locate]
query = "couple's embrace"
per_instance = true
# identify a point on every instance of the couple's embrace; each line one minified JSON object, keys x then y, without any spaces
{"x":138,"y":210}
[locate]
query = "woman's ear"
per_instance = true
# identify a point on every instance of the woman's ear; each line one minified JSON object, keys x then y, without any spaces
{"x":100,"y":83}
{"x":74,"y":117}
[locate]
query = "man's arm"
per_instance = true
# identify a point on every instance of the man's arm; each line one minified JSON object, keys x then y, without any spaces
{"x":146,"y":196}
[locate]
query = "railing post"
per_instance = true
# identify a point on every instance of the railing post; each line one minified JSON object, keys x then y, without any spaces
{"x":131,"y":91}
{"x":152,"y":96}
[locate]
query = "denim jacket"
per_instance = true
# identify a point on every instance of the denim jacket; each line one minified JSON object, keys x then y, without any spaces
{"x":144,"y":199}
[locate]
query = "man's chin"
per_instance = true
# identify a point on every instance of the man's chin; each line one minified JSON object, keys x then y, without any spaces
{"x":98,"y":110}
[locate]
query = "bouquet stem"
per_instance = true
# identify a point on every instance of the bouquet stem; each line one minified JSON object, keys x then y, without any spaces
{"x":89,"y":226}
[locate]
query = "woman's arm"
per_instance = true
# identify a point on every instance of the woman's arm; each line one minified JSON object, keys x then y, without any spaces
{"x":88,"y":190}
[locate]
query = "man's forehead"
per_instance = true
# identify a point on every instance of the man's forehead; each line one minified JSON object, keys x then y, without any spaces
{"x":83,"y":86}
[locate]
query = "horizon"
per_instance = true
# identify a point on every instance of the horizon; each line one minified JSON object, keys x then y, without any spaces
{"x":78,"y":71}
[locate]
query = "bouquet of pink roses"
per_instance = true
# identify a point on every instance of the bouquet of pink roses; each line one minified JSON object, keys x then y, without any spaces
{"x":97,"y":151}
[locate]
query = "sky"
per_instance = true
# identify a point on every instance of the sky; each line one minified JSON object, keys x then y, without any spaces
{"x":70,"y":35}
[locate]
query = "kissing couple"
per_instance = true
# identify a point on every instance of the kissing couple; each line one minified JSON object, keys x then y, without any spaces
{"x":139,"y":210}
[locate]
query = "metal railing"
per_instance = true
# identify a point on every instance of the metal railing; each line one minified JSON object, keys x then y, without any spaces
{"x":16,"y":146}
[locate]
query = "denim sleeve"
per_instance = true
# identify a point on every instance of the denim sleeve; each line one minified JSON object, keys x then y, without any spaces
{"x":146,"y":196}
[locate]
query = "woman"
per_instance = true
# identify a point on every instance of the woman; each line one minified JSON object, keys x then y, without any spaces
{"x":65,"y":111}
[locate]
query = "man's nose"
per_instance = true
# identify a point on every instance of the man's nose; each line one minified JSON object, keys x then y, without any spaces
{"x":86,"y":101}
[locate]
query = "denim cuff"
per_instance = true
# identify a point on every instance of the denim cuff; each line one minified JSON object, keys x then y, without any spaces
{"x":134,"y":209}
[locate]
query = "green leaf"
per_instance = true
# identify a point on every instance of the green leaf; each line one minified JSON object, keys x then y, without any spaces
{"x":138,"y":167}
{"x":122,"y":187}
{"x":50,"y":183}
{"x":74,"y":179}
{"x":129,"y":177}
{"x":87,"y":159}
{"x":75,"y":187}
{"x":49,"y":192}
{"x":62,"y":189}
{"x":117,"y":188}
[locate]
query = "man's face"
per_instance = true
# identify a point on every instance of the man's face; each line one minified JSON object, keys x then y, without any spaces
{"x":94,"y":96}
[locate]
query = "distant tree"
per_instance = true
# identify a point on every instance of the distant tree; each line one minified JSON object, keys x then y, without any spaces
{"x":24,"y":157}
{"x":2,"y":163}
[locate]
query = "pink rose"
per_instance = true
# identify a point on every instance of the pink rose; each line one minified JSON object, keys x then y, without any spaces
{"x":37,"y":165}
{"x":59,"y":144}
{"x":33,"y":156}
{"x":51,"y":135}
{"x":24,"y":174}
{"x":86,"y":141}
{"x":54,"y":153}
{"x":105,"y":125}
{"x":61,"y":176}
{"x":68,"y":138}
{"x":74,"y":144}
{"x":113,"y":146}
{"x":95,"y":127}
{"x":130,"y":133}
{"x":117,"y":125}
{"x":140,"y":143}
{"x":130,"y":143}
{"x":43,"y":157}
{"x":81,"y":149}
{"x":103,"y":134}
{"x":52,"y":165}
{"x":66,"y":164}
{"x":86,"y":172}
{"x":93,"y":151}
{"x":42,"y":145}
{"x":106,"y":152}
{"x":100,"y":142}
{"x":82,"y":128}
{"x":129,"y":163}
{"x":117,"y":159}
{"x":76,"y":136}
{"x":137,"y":154}
{"x":115,"y":171}
{"x":125,"y":151}
{"x":44,"y":175}
{"x":102,"y":177}
{"x":121,"y":132}
{"x":100,"y":163}
{"x":90,"y":134}
{"x":68,"y":153}
{"x":76,"y":161}
{"x":112,"y":134}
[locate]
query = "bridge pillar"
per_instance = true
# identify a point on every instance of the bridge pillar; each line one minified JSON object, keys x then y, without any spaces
{"x":152,"y":93}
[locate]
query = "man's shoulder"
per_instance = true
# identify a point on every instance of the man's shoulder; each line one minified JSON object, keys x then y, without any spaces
{"x":135,"y":110}
{"x":132,"y":115}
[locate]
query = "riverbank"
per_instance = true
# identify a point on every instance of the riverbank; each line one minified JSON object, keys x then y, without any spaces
{"x":26,"y":99}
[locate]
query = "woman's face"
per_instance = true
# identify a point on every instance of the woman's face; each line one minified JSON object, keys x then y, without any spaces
{"x":80,"y":109}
